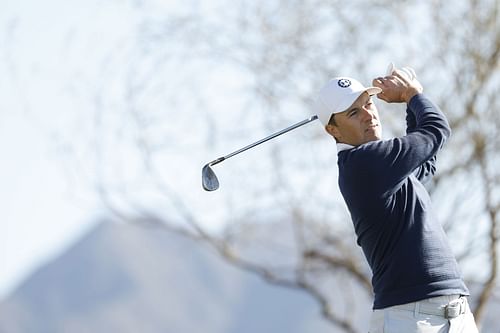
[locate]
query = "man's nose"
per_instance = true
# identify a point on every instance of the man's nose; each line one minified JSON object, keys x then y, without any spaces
{"x":367,"y":113}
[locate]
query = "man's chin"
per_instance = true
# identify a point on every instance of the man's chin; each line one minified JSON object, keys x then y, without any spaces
{"x":373,"y":135}
{"x":373,"y":140}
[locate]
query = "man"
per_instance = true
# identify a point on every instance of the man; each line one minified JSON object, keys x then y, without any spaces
{"x":416,"y":280}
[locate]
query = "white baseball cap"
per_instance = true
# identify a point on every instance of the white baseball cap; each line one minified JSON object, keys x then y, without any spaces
{"x":338,"y":95}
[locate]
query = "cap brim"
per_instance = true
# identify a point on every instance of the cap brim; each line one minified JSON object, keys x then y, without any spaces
{"x":373,"y":90}
{"x":370,"y":90}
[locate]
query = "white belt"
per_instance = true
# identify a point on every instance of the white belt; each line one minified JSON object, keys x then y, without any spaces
{"x":453,"y":309}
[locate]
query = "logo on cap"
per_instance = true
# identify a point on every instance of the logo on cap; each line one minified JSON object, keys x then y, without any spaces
{"x":344,"y":83}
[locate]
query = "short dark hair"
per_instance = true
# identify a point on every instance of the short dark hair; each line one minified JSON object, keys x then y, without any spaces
{"x":332,"y":120}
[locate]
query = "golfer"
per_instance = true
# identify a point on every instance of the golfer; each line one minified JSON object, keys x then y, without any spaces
{"x":416,"y":280}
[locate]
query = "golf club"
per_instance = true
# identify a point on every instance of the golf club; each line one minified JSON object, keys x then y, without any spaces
{"x":208,"y":177}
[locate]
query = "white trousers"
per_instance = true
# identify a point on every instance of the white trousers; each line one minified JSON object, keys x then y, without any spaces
{"x":426,"y":316}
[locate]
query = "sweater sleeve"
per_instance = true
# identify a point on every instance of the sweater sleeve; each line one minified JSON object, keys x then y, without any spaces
{"x":389,"y":162}
{"x":425,"y":171}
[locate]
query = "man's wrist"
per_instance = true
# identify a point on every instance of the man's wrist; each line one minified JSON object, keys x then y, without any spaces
{"x":410,"y":94}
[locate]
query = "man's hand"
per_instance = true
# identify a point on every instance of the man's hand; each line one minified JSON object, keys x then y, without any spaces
{"x":398,"y":87}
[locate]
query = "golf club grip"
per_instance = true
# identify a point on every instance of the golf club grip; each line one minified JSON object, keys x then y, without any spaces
{"x":272,"y":136}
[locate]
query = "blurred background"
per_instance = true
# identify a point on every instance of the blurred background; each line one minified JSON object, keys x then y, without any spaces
{"x":109,"y":110}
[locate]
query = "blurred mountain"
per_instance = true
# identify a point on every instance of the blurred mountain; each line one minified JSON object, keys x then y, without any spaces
{"x":123,"y":278}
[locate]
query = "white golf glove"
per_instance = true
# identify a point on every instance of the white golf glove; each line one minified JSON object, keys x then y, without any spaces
{"x":407,"y":71}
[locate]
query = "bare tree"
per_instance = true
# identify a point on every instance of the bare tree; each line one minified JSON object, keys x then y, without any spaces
{"x":469,"y":54}
{"x":226,"y":75}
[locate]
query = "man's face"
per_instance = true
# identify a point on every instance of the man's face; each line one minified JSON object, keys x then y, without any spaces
{"x":358,"y":124}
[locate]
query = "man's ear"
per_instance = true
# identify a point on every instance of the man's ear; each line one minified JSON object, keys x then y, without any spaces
{"x":333,"y":131}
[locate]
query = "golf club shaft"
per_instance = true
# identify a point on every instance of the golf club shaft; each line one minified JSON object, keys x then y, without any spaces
{"x":272,"y":136}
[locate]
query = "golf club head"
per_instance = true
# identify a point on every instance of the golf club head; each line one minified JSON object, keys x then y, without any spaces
{"x":209,"y":179}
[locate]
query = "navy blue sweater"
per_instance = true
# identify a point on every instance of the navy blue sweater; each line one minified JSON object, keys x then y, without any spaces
{"x":393,"y":217}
